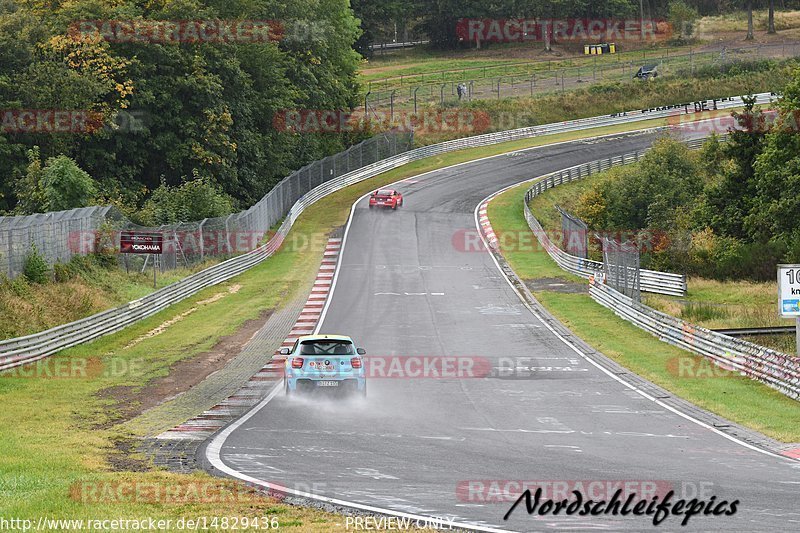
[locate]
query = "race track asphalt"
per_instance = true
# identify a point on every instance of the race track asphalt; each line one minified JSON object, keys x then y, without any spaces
{"x":426,"y":445}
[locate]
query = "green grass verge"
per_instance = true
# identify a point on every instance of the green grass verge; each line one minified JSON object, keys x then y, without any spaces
{"x":27,"y":308}
{"x":746,"y":402}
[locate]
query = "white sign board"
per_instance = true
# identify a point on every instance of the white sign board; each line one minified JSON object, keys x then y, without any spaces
{"x":789,"y":290}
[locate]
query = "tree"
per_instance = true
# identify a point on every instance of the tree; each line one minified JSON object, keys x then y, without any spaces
{"x":65,"y":186}
{"x":28,"y":187}
{"x":771,"y":19}
{"x":682,"y":17}
{"x":648,"y":195}
{"x":199,"y":108}
{"x":776,"y":189}
{"x":749,"y":7}
{"x":192,"y":200}
{"x":729,"y":199}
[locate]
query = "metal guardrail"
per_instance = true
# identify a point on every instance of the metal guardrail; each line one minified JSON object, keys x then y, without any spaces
{"x":650,"y":280}
{"x":752,"y":332}
{"x":21,"y":350}
{"x":778,"y":370}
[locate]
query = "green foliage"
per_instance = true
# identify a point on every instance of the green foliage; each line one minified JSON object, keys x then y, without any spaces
{"x":105,"y":251}
{"x":438,"y":17}
{"x":170,"y":110}
{"x":65,"y":186}
{"x":700,"y":311}
{"x":192,"y":200}
{"x":730,"y":211}
{"x":28,"y":187}
{"x":63,"y":272}
{"x":35,"y":268}
{"x":682,"y":17}
{"x":665,"y":180}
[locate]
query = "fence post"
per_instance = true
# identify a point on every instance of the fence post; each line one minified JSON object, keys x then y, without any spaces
{"x":202,"y":244}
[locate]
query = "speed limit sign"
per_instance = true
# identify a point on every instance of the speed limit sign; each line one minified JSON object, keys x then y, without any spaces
{"x":789,"y":290}
{"x":789,"y":296}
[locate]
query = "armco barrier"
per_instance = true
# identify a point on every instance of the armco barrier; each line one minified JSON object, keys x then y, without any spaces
{"x":778,"y":370}
{"x":14,"y":352}
{"x":651,"y":280}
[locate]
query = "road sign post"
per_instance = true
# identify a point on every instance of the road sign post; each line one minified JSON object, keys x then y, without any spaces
{"x":789,"y":296}
{"x":142,"y":242}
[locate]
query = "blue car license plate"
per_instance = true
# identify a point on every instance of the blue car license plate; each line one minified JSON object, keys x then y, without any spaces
{"x":327,"y":383}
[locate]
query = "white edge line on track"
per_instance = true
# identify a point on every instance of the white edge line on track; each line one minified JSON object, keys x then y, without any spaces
{"x":471,"y":161}
{"x":588,"y":359}
{"x":215,"y":446}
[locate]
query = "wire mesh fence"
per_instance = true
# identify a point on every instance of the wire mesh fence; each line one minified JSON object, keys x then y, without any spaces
{"x":621,"y":265}
{"x":575,"y":234}
{"x":58,"y":236}
{"x":440,"y":89}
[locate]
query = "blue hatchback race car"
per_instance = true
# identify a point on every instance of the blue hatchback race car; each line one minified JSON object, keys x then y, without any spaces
{"x":324,"y":362}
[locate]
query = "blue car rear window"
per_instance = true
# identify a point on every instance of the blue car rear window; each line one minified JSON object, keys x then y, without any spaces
{"x":327,"y":348}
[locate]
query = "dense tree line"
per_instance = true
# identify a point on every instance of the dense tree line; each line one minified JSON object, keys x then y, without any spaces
{"x":385,"y":20}
{"x":727,"y":211}
{"x":167,"y":113}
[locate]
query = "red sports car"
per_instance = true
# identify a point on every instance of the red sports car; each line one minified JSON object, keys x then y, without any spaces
{"x":386,"y":198}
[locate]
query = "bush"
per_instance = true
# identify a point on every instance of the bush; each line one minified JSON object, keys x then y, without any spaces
{"x":36,"y":269}
{"x":63,"y":272}
{"x":65,"y":185}
{"x":682,"y":16}
{"x":192,"y":200}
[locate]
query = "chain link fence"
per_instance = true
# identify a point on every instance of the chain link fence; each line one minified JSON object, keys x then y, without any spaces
{"x":540,"y":77}
{"x":55,"y":235}
{"x":60,"y":235}
{"x":621,"y":265}
{"x":575,"y":234}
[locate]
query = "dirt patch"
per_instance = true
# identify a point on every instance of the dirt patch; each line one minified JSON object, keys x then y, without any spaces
{"x":233,"y":289}
{"x":121,"y":459}
{"x":556,"y":285}
{"x":183,"y":375}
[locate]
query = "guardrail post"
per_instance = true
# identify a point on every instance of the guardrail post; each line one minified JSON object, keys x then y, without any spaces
{"x":797,"y":335}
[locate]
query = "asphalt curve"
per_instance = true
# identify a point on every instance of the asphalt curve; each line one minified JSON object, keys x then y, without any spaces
{"x":434,"y":446}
